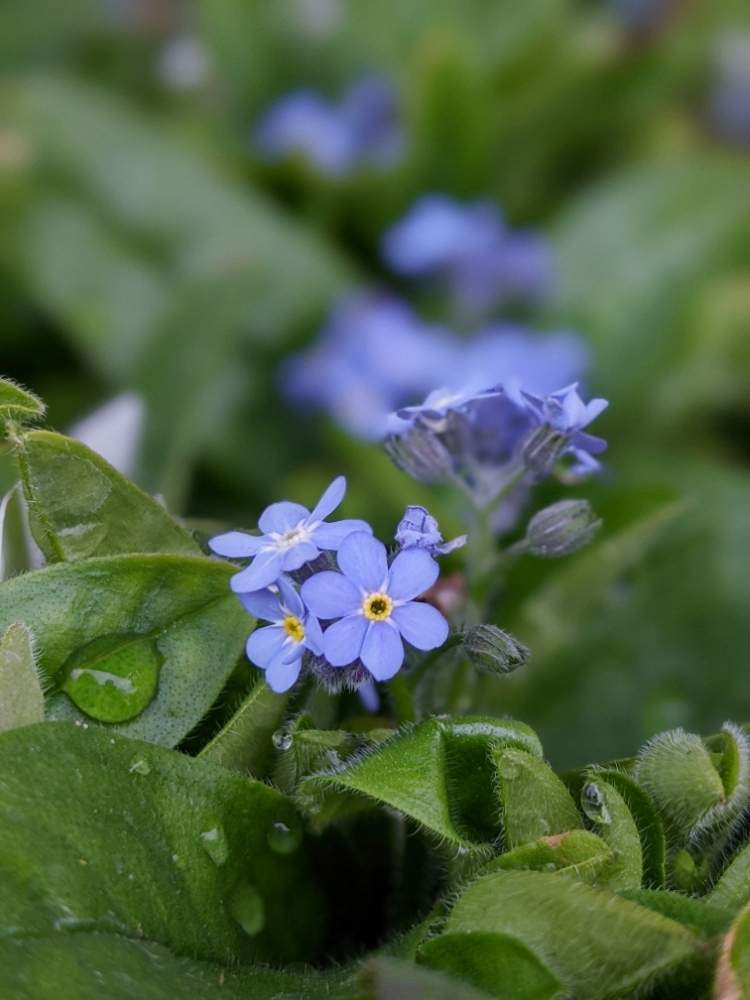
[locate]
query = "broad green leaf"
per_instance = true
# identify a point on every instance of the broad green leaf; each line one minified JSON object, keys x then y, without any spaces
{"x":578,"y":853}
{"x":732,"y":980}
{"x":609,"y":815}
{"x":699,"y":914}
{"x":244,"y":743}
{"x":438,"y":773}
{"x":93,"y":965}
{"x":21,"y":695}
{"x":182,"y":603}
{"x":147,"y":842}
{"x":597,"y":944}
{"x":19,"y":403}
{"x":81,"y":507}
{"x":732,"y":891}
{"x":497,"y":963}
{"x":535,"y":802}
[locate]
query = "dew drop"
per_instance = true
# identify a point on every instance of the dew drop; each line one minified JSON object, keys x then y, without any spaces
{"x":114,"y":678}
{"x":284,"y":839}
{"x":214,"y":843}
{"x":282,"y":739}
{"x":593,"y":804}
{"x":140,"y":767}
{"x":246,"y":906}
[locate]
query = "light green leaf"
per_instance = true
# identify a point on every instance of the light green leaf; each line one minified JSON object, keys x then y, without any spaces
{"x":244,"y":743}
{"x":182,"y":603}
{"x":19,"y":403}
{"x":578,"y":853}
{"x":439,"y":773}
{"x":147,"y":842}
{"x":699,"y":914}
{"x":596,"y":943}
{"x":81,"y":507}
{"x":535,"y":802}
{"x":21,"y":696}
{"x":610,"y":816}
{"x":732,"y":891}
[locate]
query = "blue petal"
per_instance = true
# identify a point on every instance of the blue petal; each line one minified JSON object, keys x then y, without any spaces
{"x":382,"y":651}
{"x":363,"y":560}
{"x":280,"y":675}
{"x":236,"y":544}
{"x":263,"y":604}
{"x":298,"y":555}
{"x":421,"y":625}
{"x":313,"y":635}
{"x":330,"y":536}
{"x":290,"y":599}
{"x":330,"y":595}
{"x":330,"y":500}
{"x":265,"y":644}
{"x":292,"y":651}
{"x":279,"y":517}
{"x":368,"y":695}
{"x":262,"y":571}
{"x":343,"y":640}
{"x":413,"y":571}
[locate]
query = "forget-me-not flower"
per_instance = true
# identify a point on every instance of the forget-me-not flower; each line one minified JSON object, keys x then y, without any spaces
{"x":278,"y":648}
{"x":374,"y":605}
{"x":292,"y":535}
{"x":419,"y":529}
{"x":566,"y":415}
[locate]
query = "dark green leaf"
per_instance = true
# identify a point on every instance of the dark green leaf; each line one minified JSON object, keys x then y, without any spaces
{"x":244,"y":743}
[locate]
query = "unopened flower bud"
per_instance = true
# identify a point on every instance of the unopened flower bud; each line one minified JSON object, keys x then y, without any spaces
{"x":543,"y":448}
{"x":562,"y":528}
{"x":420,"y":454}
{"x":493,"y":651}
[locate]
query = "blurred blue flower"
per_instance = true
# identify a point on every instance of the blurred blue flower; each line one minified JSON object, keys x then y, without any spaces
{"x":278,"y":648}
{"x":470,"y":249}
{"x":561,"y":417}
{"x":336,"y":138}
{"x":373,"y":605}
{"x":292,"y":536}
{"x":730,"y":99}
{"x":419,"y":529}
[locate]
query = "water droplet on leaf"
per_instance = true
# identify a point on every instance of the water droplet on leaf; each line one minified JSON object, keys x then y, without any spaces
{"x":139,"y":767}
{"x":282,"y":739}
{"x":284,"y":839}
{"x":246,"y":906}
{"x":214,"y":843}
{"x":593,"y":804}
{"x":114,"y":678}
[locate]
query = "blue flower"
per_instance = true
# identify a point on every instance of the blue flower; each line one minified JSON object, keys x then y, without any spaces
{"x":374,"y":605}
{"x":565,"y":415}
{"x":278,"y":648}
{"x":292,"y":536}
{"x":419,"y":529}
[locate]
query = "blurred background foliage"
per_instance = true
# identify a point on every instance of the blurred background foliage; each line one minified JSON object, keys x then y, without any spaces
{"x":147,"y":248}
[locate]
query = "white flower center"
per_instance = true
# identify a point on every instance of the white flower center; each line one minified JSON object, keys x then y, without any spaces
{"x":283,"y":540}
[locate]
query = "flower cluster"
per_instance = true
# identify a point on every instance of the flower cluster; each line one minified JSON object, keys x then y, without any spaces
{"x":376,"y":355}
{"x":363,"y":128}
{"x":471,"y":251}
{"x":347,"y":621}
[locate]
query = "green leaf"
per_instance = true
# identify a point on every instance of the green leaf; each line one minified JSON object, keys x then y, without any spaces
{"x":610,"y":816}
{"x":732,"y":891}
{"x":597,"y":944}
{"x":147,"y":843}
{"x":497,"y":963}
{"x":244,"y":743}
{"x":535,"y":802}
{"x":393,"y":979}
{"x":439,"y":773}
{"x":578,"y":853}
{"x":182,"y":603}
{"x":19,"y":403}
{"x":698,"y":914}
{"x":81,"y":507}
{"x":21,"y":695}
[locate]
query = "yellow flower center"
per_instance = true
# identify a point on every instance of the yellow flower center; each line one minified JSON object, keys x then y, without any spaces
{"x":294,"y":628}
{"x":377,"y":607}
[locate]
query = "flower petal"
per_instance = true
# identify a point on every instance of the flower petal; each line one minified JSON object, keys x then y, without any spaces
{"x":421,"y":625}
{"x":298,"y":555}
{"x":279,"y":517}
{"x":235,"y":544}
{"x":363,"y":560}
{"x":330,"y":500}
{"x":264,"y":645}
{"x":290,"y":599}
{"x":313,"y":635}
{"x":330,"y":595}
{"x":330,"y":536}
{"x":281,"y":675}
{"x":382,"y":651}
{"x":263,"y":604}
{"x":412,"y":572}
{"x":262,"y":571}
{"x":342,"y":641}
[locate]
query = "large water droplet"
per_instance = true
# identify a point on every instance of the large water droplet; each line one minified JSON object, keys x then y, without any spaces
{"x":113,"y":678}
{"x":284,"y":839}
{"x":214,"y":843}
{"x":282,"y":739}
{"x":246,"y":906}
{"x":593,"y":804}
